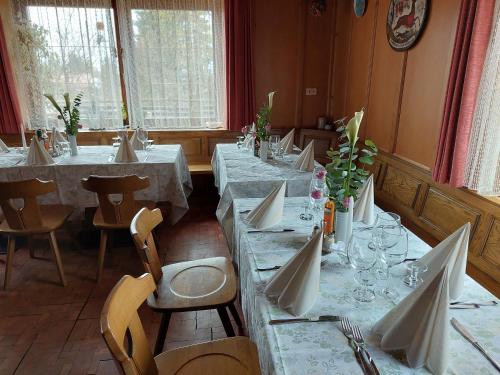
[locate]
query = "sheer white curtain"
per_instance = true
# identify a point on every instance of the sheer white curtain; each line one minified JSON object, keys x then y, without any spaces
{"x":483,"y":161}
{"x":68,"y":46}
{"x":173,"y":53}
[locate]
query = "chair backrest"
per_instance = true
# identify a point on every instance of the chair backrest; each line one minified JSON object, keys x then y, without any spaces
{"x":141,"y":229}
{"x":27,"y":217}
{"x":120,"y":320}
{"x":124,"y":210}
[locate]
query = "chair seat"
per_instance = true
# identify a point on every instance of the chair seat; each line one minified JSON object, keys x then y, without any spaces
{"x":236,"y":355}
{"x":53,"y":217}
{"x":101,"y":224}
{"x":195,"y":285}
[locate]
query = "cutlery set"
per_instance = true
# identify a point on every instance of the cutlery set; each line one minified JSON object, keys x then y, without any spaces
{"x":357,"y":342}
{"x":458,"y":305}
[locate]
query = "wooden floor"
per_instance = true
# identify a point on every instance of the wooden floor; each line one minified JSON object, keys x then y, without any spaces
{"x":48,"y":329}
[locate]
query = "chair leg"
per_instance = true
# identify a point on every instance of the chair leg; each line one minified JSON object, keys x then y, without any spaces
{"x":31,"y":246}
{"x":102,"y":251}
{"x":226,"y":322}
{"x":11,"y":246}
{"x":236,"y":316}
{"x":162,"y":332}
{"x":57,"y":257}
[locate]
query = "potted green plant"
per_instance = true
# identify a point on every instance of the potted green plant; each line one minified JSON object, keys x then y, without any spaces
{"x":263,"y":127}
{"x":70,"y":114}
{"x":346,"y":173}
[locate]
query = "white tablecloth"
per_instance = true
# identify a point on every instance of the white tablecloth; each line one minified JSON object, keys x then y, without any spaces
{"x":320,"y":348}
{"x":239,"y":174}
{"x":165,"y":165}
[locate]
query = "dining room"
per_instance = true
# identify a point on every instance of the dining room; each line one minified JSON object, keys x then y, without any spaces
{"x":282,"y":187}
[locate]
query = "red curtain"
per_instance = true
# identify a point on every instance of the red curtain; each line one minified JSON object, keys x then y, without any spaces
{"x":10,"y":113}
{"x":239,"y":63}
{"x":471,"y":44}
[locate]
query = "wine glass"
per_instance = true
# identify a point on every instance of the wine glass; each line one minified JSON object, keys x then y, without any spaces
{"x":142,"y":136}
{"x":362,"y":259}
{"x":393,"y":249}
{"x":383,"y":219}
{"x":415,"y":268}
{"x":274,"y":143}
{"x":239,"y":141}
{"x":318,"y":195}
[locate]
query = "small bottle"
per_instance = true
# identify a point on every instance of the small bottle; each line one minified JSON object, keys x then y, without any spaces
{"x":329,"y":217}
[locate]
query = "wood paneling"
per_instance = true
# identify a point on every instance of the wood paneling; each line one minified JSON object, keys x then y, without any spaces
{"x":446,"y":214}
{"x":425,"y":83}
{"x":491,"y":250}
{"x":387,"y":73}
{"x":401,"y":186}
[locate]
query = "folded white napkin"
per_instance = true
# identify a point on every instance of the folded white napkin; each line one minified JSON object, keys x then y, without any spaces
{"x":305,"y":161}
{"x":364,"y":207}
{"x":270,"y":211}
{"x":451,"y":252}
{"x":419,"y":324}
{"x":3,"y":147}
{"x":125,"y":153}
{"x":296,"y":284}
{"x":253,"y":129}
{"x":247,"y":142}
{"x":135,"y":142}
{"x":287,"y":142}
{"x":37,"y":154}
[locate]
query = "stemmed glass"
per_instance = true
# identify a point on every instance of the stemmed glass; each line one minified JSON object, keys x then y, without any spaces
{"x":362,"y":259}
{"x":240,"y":140}
{"x":274,"y":143}
{"x":318,"y":194}
{"x":142,"y":135}
{"x":392,"y":245}
{"x":383,"y":219}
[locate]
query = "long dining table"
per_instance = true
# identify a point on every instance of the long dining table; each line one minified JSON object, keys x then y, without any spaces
{"x":321,"y":348}
{"x":239,"y":174}
{"x":165,"y":165}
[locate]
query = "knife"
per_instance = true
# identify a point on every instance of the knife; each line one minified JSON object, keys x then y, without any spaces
{"x":461,"y":329}
{"x":268,"y":268}
{"x":313,"y":319}
{"x":272,"y":231}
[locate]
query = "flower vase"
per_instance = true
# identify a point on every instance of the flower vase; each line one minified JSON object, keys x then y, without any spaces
{"x":343,"y":223}
{"x":73,"y":147}
{"x":264,"y":148}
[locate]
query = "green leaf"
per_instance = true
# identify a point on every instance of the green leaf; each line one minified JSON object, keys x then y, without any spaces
{"x":371,"y":144}
{"x":366,"y":160}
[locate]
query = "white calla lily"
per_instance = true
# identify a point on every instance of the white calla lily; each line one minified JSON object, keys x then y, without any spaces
{"x":270,"y":98}
{"x":352,"y":127}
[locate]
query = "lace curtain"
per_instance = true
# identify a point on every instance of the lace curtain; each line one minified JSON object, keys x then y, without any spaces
{"x":67,"y":46}
{"x":172,"y":54}
{"x":483,"y":161}
{"x":174,"y":61}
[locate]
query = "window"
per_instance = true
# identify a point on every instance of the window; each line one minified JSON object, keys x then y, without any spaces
{"x":172,"y":61}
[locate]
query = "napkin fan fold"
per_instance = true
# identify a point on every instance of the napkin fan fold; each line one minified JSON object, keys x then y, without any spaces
{"x":364,"y":207}
{"x":287,"y":142}
{"x":418,"y":325}
{"x":3,"y":146}
{"x":451,"y":252}
{"x":296,"y":284}
{"x":305,"y":161}
{"x":125,"y":153}
{"x":270,"y":211}
{"x":37,"y":154}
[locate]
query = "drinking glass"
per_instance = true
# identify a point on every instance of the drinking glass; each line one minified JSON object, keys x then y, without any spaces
{"x":142,"y":135}
{"x":362,"y":259}
{"x":239,"y":141}
{"x":383,"y":220}
{"x":415,"y":269}
{"x":318,"y":195}
{"x":274,"y":143}
{"x":393,"y":249}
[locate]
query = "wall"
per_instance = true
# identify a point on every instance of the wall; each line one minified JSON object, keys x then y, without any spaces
{"x":403,"y":94}
{"x":292,"y":52}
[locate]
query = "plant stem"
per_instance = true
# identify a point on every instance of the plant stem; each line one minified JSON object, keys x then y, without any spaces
{"x":347,"y":181}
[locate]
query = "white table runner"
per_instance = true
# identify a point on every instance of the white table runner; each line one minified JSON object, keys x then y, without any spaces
{"x":165,"y":165}
{"x":320,"y":348}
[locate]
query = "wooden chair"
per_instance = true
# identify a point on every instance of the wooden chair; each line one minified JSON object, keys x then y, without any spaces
{"x":112,"y":214}
{"x":120,"y":323}
{"x":31,"y":219}
{"x":202,"y":284}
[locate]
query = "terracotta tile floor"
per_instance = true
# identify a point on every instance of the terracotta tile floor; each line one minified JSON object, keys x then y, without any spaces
{"x":48,"y":329}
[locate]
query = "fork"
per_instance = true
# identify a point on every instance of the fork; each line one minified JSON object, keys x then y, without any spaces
{"x":358,"y":337}
{"x":347,"y":330}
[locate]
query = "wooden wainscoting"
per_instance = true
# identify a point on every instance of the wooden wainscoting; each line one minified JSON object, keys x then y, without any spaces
{"x":434,"y":211}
